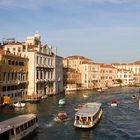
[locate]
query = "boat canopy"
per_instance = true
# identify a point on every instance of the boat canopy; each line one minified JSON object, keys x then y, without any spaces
{"x":4,"y":128}
{"x":16,"y":121}
{"x":89,"y":109}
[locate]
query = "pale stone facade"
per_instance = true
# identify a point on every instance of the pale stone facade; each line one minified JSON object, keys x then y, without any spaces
{"x":90,"y":75}
{"x":108,"y":75}
{"x":126,"y":76}
{"x":45,"y":67}
{"x":133,"y":67}
{"x":81,"y":73}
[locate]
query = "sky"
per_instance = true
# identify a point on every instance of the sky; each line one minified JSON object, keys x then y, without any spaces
{"x":106,"y":31}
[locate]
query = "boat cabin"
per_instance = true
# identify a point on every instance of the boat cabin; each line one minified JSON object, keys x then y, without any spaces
{"x":88,"y":115}
{"x":18,"y":127}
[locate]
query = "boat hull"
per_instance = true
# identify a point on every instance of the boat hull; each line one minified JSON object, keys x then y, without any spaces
{"x":92,"y":124}
{"x":114,"y":105}
{"x":61,"y":102}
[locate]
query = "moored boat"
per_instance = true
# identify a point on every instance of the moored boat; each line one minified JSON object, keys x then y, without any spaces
{"x":18,"y":127}
{"x":19,"y":104}
{"x":85,"y":95}
{"x":100,"y":90}
{"x":88,"y":116}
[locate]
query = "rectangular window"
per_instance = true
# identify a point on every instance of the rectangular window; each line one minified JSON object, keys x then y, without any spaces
{"x":19,"y":49}
{"x":23,"y":48}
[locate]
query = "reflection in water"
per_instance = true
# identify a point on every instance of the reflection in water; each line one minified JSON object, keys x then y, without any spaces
{"x":85,"y":134}
{"x":32,"y":108}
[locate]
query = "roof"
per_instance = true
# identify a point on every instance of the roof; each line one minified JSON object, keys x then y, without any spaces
{"x":136,"y":62}
{"x":89,"y":109}
{"x":32,"y":46}
{"x":16,"y":121}
{"x":14,"y":43}
{"x":87,"y":62}
{"x":77,"y":57}
{"x":122,"y":70}
{"x":107,"y":66}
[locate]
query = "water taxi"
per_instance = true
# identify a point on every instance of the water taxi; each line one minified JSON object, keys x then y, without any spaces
{"x":18,"y":127}
{"x":88,"y":116}
{"x":61,"y":102}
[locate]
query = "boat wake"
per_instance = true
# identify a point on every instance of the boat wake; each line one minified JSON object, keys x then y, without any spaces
{"x":49,"y":124}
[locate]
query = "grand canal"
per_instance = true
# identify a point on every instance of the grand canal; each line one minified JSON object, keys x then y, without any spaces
{"x":119,"y":123}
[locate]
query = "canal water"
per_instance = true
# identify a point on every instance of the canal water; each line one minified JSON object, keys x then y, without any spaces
{"x":117,"y":123}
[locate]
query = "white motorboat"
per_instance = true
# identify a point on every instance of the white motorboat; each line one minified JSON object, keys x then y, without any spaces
{"x":85,"y":95}
{"x":114,"y":103}
{"x":19,"y":104}
{"x":61,"y":102}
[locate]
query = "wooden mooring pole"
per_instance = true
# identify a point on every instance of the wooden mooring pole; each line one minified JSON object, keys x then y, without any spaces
{"x":139,"y":104}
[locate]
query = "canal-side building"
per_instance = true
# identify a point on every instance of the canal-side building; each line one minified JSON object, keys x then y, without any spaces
{"x":71,"y":78}
{"x":133,"y":67}
{"x":71,"y":73}
{"x":108,"y":75}
{"x":45,"y":66}
{"x":58,"y":73}
{"x":13,"y":75}
{"x":126,"y":76}
{"x":90,"y":74}
{"x":80,"y":73}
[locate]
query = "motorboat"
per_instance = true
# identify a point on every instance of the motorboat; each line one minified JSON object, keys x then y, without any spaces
{"x":61,"y":102}
{"x":114,"y":102}
{"x":100,"y":90}
{"x":61,"y":116}
{"x":19,"y":104}
{"x":44,"y":97}
{"x":134,"y":97}
{"x":88,"y":116}
{"x":85,"y":95}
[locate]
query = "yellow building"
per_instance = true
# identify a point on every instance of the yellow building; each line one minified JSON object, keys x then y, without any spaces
{"x":13,"y":75}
